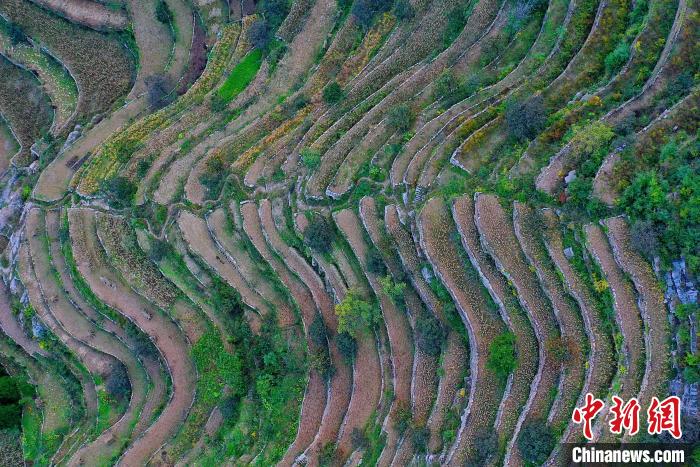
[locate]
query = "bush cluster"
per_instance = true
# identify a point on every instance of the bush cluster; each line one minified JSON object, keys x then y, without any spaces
{"x":319,"y":235}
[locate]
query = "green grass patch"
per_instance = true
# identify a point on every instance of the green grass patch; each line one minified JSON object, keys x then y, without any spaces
{"x":31,"y":431}
{"x":241,"y":76}
{"x":104,"y":411}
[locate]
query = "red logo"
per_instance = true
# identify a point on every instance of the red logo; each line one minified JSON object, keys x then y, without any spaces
{"x":587,"y":413}
{"x":661,"y":416}
{"x":624,"y":416}
{"x":665,"y":416}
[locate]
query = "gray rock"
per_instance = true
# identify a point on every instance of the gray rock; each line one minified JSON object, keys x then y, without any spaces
{"x":72,"y":137}
{"x":570,"y":177}
{"x":569,"y":252}
{"x":33,"y":167}
{"x":427,"y":274}
{"x":38,"y":329}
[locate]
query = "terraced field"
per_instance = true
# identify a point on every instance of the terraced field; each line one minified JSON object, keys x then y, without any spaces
{"x":330,"y":233}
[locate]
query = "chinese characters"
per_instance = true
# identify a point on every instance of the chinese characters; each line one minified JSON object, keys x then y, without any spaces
{"x":662,"y":416}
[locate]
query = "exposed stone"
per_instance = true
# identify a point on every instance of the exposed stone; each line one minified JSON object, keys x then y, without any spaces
{"x":33,"y":167}
{"x":570,"y":177}
{"x":38,"y":329}
{"x":72,"y":137}
{"x":427,"y":274}
{"x":569,"y":252}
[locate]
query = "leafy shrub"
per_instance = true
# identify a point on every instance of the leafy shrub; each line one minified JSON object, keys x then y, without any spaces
{"x":375,"y":262}
{"x":445,"y":84}
{"x":16,"y":34}
{"x":421,"y":435}
{"x":617,"y":58}
{"x":163,"y":13}
{"x":118,"y":191}
{"x":402,"y":417}
{"x":358,"y":439}
{"x":275,"y":52}
{"x":10,"y":416}
{"x":332,"y":93}
{"x":393,"y":289}
{"x":400,"y":118}
{"x":274,"y":12}
{"x":117,"y":382}
{"x":355,"y":315}
{"x":347,"y":346}
{"x":14,"y":391}
{"x":217,"y":368}
{"x":142,"y":167}
{"x":217,"y":103}
{"x":486,"y":445}
{"x":691,"y":375}
{"x":259,"y":34}
{"x":295,"y":105}
{"x":645,"y":238}
{"x":691,"y":372}
{"x":9,"y":391}
{"x":364,"y":11}
{"x":325,"y":457}
{"x":213,"y":176}
{"x":525,"y":119}
{"x":159,"y":250}
{"x":318,"y":332}
{"x":536,"y":441}
{"x":319,"y":235}
{"x":311,"y":158}
{"x":501,"y":358}
{"x":456,"y":20}
{"x":430,"y":334}
{"x":158,"y":88}
{"x":225,"y":298}
{"x":403,"y":10}
{"x":321,"y":362}
{"x":376,"y":173}
{"x":664,"y":204}
{"x":229,"y":408}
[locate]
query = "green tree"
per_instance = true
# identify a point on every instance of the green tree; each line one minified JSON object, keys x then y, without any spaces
{"x":375,"y":262}
{"x":332,"y":93}
{"x":364,"y":11}
{"x":445,"y":85}
{"x":260,"y":35}
{"x":159,"y":250}
{"x":318,"y":331}
{"x":274,"y":12}
{"x":319,"y":235}
{"x":10,"y":415}
{"x":525,"y":119}
{"x":501,"y":359}
{"x":9,"y":391}
{"x":225,"y":298}
{"x":430,"y":334}
{"x":400,"y":118}
{"x":393,"y":289}
{"x":16,"y":34}
{"x":355,"y":315}
{"x":311,"y":158}
{"x":163,"y":13}
{"x":347,"y":346}
{"x":403,"y":10}
{"x":536,"y":441}
{"x":118,"y":191}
